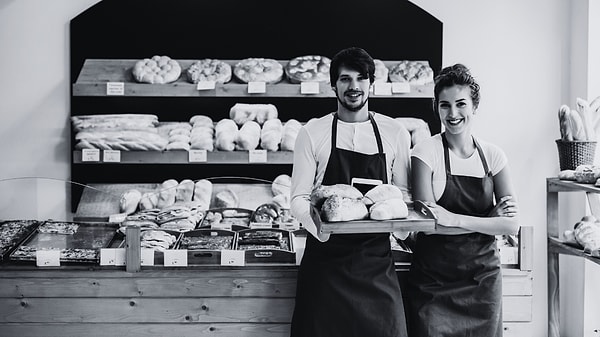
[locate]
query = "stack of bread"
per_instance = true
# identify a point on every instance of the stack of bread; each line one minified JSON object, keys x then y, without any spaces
{"x":271,"y":134}
{"x":177,"y":134}
{"x":202,"y":133}
{"x":127,"y":132}
{"x":341,"y":202}
{"x":243,"y":112}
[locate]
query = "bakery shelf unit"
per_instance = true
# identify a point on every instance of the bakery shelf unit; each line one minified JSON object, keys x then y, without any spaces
{"x":99,"y":57}
{"x":554,"y":186}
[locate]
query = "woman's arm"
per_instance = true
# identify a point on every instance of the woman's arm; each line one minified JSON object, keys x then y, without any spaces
{"x":505,"y":220}
{"x":422,"y":189}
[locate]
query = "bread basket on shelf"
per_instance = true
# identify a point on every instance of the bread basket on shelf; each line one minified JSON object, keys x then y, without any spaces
{"x":574,"y":153}
{"x":578,"y":134}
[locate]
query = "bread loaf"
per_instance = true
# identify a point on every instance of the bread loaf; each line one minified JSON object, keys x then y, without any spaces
{"x":225,"y":135}
{"x":225,"y":199}
{"x":203,"y":192}
{"x":248,"y":137}
{"x":149,"y":200}
{"x":243,"y":112}
{"x":128,"y":203}
{"x":382,"y":192}
{"x":389,"y":209}
{"x":184,"y":191}
{"x":587,"y":233}
{"x":270,"y":134}
{"x":587,"y":174}
{"x":338,"y":208}
{"x":289,"y":134}
{"x":166,"y":193}
{"x":323,"y":192}
{"x":281,"y":184}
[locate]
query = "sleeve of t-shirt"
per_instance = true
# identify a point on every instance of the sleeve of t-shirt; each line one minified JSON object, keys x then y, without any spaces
{"x":424,"y":151}
{"x":303,"y":175}
{"x":401,"y":164}
{"x":497,"y":158}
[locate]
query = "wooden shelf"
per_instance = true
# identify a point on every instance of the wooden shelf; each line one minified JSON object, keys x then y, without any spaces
{"x":182,"y":157}
{"x":557,"y":185}
{"x":559,"y":247}
{"x":96,"y":73}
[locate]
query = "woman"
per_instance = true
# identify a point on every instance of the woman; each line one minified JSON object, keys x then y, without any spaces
{"x":454,"y":285}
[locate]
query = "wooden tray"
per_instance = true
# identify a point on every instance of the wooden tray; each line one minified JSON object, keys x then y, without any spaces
{"x":419,"y":218}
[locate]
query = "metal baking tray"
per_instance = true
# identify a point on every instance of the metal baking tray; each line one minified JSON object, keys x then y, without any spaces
{"x":285,"y":254}
{"x":83,"y":246}
{"x":12,"y":234}
{"x":208,"y":251}
{"x":420,"y":218}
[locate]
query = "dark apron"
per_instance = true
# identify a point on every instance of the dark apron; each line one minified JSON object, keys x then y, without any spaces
{"x":347,"y":286}
{"x":454,"y":285}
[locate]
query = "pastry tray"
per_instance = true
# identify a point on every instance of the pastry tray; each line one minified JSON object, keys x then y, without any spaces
{"x":268,"y":255}
{"x":420,"y":218}
{"x":159,"y":256}
{"x":210,"y":255}
{"x":12,"y":234}
{"x":231,"y":217}
{"x":83,"y":246}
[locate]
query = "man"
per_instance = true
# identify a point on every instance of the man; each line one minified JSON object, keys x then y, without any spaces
{"x":347,"y":285}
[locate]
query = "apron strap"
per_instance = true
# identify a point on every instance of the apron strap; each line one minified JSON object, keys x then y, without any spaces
{"x":375,"y":130}
{"x":486,"y":169}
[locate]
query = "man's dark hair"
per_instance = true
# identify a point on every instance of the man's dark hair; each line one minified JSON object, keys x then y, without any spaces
{"x":354,"y":58}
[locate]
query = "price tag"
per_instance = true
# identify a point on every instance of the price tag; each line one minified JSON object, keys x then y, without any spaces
{"x":197,"y":156}
{"x":111,"y":156}
{"x":382,"y":88}
{"x":225,"y":226}
{"x":257,"y":87}
{"x":120,"y":256}
{"x":115,"y":88}
{"x":231,"y":257}
{"x":176,"y":258}
{"x":107,"y":256}
{"x":47,"y":258}
{"x":257,"y":156}
{"x":400,"y":88}
{"x":309,"y":88}
{"x":90,"y":155}
{"x":254,"y":225}
{"x":206,"y":85}
{"x":119,"y":217}
{"x":147,"y":257}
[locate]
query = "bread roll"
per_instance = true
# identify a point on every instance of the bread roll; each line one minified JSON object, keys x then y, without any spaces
{"x":225,"y":135}
{"x":281,"y":184}
{"x":243,"y":112}
{"x":166,"y":193}
{"x":201,"y":120}
{"x":282,"y":200}
{"x":338,"y":208}
{"x":270,"y":134}
{"x":149,"y":200}
{"x":321,"y":193}
{"x":389,"y":209}
{"x":203,"y":191}
{"x":225,"y":199}
{"x":128,"y":203}
{"x":248,"y":137}
{"x":382,"y":192}
{"x":289,"y":134}
{"x":184,"y":191}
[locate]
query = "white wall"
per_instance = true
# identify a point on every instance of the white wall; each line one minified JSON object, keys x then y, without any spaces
{"x":518,"y":50}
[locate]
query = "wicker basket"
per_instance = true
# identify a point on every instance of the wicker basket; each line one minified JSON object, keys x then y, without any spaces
{"x":575,"y":153}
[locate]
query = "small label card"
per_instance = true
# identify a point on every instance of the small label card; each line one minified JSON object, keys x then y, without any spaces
{"x":231,"y":257}
{"x":382,"y":88}
{"x":47,"y":258}
{"x":309,"y":88}
{"x":206,"y":85}
{"x":400,"y":87}
{"x":90,"y":155}
{"x":257,"y":87}
{"x":197,"y":156}
{"x":115,"y":88}
{"x":119,"y":217}
{"x":255,"y":225}
{"x":257,"y":156}
{"x":176,"y":258}
{"x":147,"y":257}
{"x":120,"y":256}
{"x":108,"y":256}
{"x":111,"y":156}
{"x":225,"y":226}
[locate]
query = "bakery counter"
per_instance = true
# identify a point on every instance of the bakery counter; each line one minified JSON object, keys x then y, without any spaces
{"x":247,"y":301}
{"x":110,"y":77}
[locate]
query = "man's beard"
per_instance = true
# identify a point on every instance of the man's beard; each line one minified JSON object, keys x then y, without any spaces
{"x":351,"y":108}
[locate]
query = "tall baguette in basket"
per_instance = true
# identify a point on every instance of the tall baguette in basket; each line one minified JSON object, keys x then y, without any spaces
{"x":578,"y":130}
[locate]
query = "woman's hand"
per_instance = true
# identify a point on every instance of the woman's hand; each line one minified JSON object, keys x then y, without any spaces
{"x":444,"y":217}
{"x":505,"y":207}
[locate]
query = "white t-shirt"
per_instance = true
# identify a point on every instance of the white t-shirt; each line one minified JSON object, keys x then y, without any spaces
{"x":431,"y":152}
{"x":313,"y":146}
